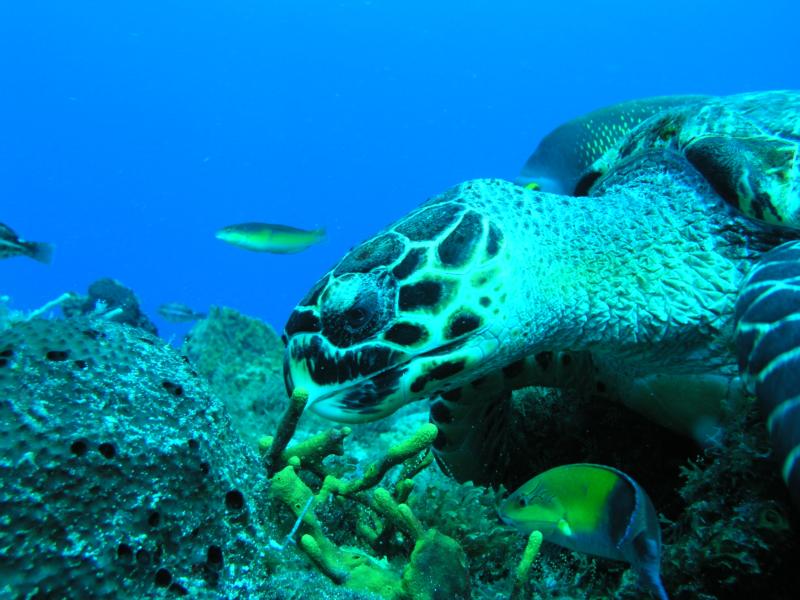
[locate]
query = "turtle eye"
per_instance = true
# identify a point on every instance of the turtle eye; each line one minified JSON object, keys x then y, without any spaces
{"x":522,"y":502}
{"x":357,"y":306}
{"x":356,"y":317}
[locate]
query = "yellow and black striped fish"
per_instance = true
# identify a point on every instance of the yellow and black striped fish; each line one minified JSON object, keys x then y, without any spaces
{"x":593,"y":509}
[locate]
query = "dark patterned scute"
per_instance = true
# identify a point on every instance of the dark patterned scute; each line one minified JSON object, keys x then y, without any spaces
{"x":302,"y":321}
{"x":312,"y":297}
{"x":429,"y":223}
{"x":425,"y":294}
{"x":378,"y":252}
{"x":405,"y":334}
{"x":463,"y":322}
{"x":493,"y":240}
{"x":440,"y":372}
{"x":457,"y":248}
{"x":413,"y":260}
{"x":347,"y":366}
{"x":367,"y":396}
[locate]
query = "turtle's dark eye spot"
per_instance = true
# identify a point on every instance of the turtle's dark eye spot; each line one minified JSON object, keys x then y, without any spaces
{"x":522,"y":502}
{"x":356,"y":317}
{"x":357,"y":306}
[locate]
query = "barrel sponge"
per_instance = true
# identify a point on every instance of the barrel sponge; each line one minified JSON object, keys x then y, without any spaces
{"x":120,"y":475}
{"x":242,"y":359}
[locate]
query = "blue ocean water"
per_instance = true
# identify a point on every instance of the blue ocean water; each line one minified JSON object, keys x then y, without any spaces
{"x":131,"y":131}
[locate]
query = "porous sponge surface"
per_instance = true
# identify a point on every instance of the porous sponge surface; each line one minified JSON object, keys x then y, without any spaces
{"x":120,"y":475}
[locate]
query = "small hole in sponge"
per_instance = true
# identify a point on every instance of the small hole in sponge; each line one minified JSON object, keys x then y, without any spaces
{"x":214,"y":556}
{"x":107,"y":450}
{"x":172,"y":388}
{"x":79,"y":447}
{"x":163,"y":578}
{"x":125,"y":553}
{"x":234,"y":500}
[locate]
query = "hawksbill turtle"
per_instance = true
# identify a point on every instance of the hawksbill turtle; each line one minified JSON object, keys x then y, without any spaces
{"x":666,"y":274}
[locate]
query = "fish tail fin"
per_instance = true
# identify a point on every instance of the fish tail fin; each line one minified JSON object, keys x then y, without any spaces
{"x":40,"y":251}
{"x":320,"y":233}
{"x":651,"y":580}
{"x":659,"y":591}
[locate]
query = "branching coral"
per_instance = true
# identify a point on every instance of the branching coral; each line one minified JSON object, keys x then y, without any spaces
{"x":379,"y":516}
{"x":524,"y":568}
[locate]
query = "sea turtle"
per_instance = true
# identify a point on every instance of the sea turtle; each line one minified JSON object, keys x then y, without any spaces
{"x":668,"y":276}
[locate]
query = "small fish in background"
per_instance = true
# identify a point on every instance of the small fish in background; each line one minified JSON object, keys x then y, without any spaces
{"x":176,"y":312}
{"x":592,"y":509}
{"x":266,"y":237}
{"x":13,"y":245}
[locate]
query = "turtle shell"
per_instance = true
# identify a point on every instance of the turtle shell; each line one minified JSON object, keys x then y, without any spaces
{"x":745,"y":145}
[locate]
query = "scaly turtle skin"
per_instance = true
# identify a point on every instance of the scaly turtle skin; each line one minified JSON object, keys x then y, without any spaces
{"x":672,"y":284}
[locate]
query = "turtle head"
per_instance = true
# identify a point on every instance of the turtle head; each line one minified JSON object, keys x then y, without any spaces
{"x":408,"y":313}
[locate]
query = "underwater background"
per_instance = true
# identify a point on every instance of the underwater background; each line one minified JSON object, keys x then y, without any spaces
{"x":132,"y":131}
{"x":139,"y":467}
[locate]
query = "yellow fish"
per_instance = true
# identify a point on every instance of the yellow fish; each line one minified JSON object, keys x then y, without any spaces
{"x":266,"y":237}
{"x":592,"y":509}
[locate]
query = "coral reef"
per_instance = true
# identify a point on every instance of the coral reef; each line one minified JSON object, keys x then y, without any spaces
{"x":9,"y":316}
{"x":242,"y":360}
{"x":108,"y":295}
{"x":378,"y":518}
{"x":120,"y":474}
{"x":125,"y":473}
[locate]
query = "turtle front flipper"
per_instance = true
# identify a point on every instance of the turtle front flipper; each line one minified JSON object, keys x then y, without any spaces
{"x":768,"y":350}
{"x":473,"y":435}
